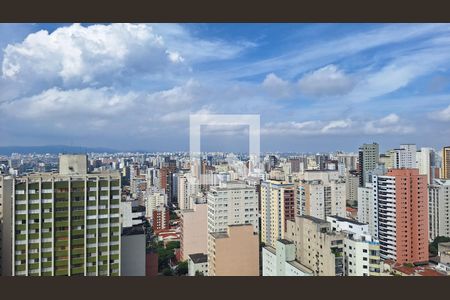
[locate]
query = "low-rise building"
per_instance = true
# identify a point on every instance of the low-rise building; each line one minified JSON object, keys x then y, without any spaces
{"x":318,"y":247}
{"x":198,"y":264}
{"x":361,"y":250}
{"x":281,"y":261}
{"x":234,"y":252}
{"x":133,"y":252}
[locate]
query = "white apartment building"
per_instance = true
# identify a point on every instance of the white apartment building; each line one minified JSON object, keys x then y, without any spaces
{"x":439,"y":208}
{"x":280,"y":261}
{"x":232,"y":203}
{"x":366,"y":208}
{"x":405,"y":156}
{"x":188,"y":186}
{"x":384,"y":192}
{"x":424,"y":162}
{"x":361,"y":250}
{"x":131,"y":215}
{"x":198,"y":264}
{"x":154,"y":200}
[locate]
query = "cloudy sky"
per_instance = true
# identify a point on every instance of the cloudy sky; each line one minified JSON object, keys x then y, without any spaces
{"x":316,"y":87}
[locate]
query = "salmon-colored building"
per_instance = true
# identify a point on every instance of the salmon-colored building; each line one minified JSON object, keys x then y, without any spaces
{"x":402,"y":202}
{"x":234,"y":253}
{"x":194,"y":230}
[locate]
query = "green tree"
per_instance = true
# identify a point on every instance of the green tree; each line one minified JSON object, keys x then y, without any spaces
{"x":173,"y":245}
{"x":167,"y":272}
{"x":199,"y":273}
{"x":182,"y":268}
{"x":164,"y":257}
{"x":434,"y":245}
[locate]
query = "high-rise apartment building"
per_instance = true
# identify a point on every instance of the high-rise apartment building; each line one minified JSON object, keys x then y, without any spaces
{"x":65,"y":223}
{"x":366,"y":208}
{"x":277,"y":207}
{"x":405,"y":156}
{"x":351,"y":189}
{"x":234,"y":252}
{"x":154,"y":200}
{"x":318,"y":247}
{"x":188,"y":185}
{"x":161,"y":218}
{"x":320,"y":199}
{"x":439,"y":208}
{"x":425,"y":163}
{"x":232,"y":203}
{"x":446,"y":162}
{"x":401,"y":210}
{"x":368,"y":159}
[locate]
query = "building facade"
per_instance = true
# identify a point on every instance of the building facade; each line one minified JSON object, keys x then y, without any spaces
{"x":234,"y":252}
{"x":317,"y":246}
{"x":281,"y":260}
{"x":439,"y":208}
{"x":369,"y":155}
{"x":446,"y":162}
{"x":401,"y":201}
{"x":63,"y":224}
{"x":320,"y":199}
{"x":277,"y":207}
{"x":194,"y":230}
{"x":232,"y":203}
{"x":361,"y":250}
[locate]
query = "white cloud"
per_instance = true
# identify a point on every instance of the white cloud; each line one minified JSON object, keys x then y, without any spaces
{"x":400,"y":72}
{"x":442,"y":115}
{"x":390,"y":124}
{"x":389,"y":119}
{"x":85,"y":55}
{"x":327,"y":81}
{"x":195,"y":49}
{"x":276,"y":86}
{"x":90,"y":109}
{"x":175,"y":56}
{"x":339,"y":124}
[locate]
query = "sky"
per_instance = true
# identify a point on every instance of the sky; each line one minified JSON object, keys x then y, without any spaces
{"x":316,"y":87}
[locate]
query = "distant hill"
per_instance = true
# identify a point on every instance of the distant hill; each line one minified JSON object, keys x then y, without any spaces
{"x":54,"y":149}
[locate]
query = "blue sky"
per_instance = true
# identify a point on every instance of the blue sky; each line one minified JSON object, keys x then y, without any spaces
{"x":317,"y":87}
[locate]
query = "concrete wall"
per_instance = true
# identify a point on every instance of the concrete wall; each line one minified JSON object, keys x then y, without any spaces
{"x":132,"y":255}
{"x":235,"y":255}
{"x":73,"y":164}
{"x":194,"y":231}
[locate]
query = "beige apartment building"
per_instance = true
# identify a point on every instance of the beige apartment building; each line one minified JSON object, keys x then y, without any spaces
{"x":234,"y":253}
{"x":319,"y":198}
{"x":277,"y":207}
{"x":318,"y":247}
{"x":194,"y":230}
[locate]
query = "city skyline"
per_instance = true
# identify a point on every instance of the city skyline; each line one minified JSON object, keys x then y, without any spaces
{"x":316,"y":87}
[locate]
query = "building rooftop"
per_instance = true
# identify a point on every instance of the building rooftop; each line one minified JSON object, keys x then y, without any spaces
{"x":134,"y":230}
{"x":300,"y":267}
{"x":314,"y":219}
{"x":198,"y":258}
{"x":285,"y":242}
{"x":342,"y":219}
{"x":271,"y":249}
{"x":139,"y":208}
{"x":220,"y":235}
